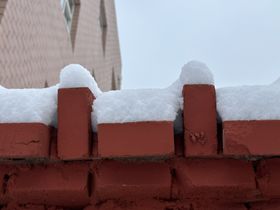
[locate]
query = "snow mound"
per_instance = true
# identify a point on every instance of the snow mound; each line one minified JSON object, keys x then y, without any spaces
{"x":249,"y":103}
{"x":28,"y":105}
{"x":75,"y":75}
{"x":195,"y":72}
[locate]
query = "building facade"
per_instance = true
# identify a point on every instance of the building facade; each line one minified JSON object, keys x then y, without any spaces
{"x":39,"y":37}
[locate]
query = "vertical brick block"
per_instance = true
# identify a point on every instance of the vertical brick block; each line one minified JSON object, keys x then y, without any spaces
{"x":268,"y":173}
{"x":132,"y":180}
{"x":251,"y":137}
{"x":74,"y":123}
{"x":135,"y":139}
{"x":219,"y":178}
{"x":200,"y":126}
{"x":61,"y":185}
{"x":24,"y":140}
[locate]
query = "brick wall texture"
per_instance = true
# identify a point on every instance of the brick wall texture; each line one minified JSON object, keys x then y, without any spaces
{"x":35,"y":43}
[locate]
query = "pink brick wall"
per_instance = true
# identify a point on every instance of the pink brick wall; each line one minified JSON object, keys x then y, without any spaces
{"x":35,"y":43}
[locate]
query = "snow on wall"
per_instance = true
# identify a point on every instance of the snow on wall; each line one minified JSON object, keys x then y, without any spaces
{"x":40,"y":105}
{"x":28,"y":105}
{"x":249,"y":102}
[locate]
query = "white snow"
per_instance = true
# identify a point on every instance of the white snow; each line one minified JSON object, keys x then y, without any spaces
{"x":249,"y":102}
{"x":195,"y":72}
{"x":75,"y":75}
{"x":28,"y":105}
{"x":135,"y":105}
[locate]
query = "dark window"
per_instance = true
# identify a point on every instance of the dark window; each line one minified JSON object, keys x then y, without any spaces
{"x":103,"y":24}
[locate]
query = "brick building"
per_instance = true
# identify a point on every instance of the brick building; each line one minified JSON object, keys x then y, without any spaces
{"x":38,"y":38}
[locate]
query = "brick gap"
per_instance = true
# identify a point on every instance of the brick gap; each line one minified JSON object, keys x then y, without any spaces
{"x":256,"y":164}
{"x":90,"y":143}
{"x":90,"y":183}
{"x":248,"y":206}
{"x":173,"y":182}
{"x":94,"y":145}
{"x":5,"y":180}
{"x":220,"y":137}
{"x":179,"y":145}
{"x":53,"y":141}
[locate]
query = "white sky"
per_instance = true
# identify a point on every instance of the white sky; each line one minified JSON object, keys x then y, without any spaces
{"x":239,"y":40}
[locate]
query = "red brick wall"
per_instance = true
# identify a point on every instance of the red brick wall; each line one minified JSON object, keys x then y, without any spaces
{"x":144,"y":167}
{"x":35,"y":43}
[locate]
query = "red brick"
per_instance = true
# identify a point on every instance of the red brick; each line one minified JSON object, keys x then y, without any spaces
{"x":24,"y":140}
{"x":13,"y":206}
{"x":270,"y":205}
{"x":130,"y":205}
{"x":61,"y":184}
{"x":200,"y":126}
{"x":210,"y":205}
{"x":136,"y":139}
{"x":74,"y":123}
{"x":160,"y":205}
{"x":132,"y":180}
{"x":268,"y":178}
{"x":251,"y":137}
{"x":217,"y":178}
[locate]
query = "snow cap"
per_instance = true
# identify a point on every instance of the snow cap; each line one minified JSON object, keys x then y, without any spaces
{"x":195,"y":72}
{"x":75,"y":75}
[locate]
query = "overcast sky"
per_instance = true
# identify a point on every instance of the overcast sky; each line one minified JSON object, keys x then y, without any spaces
{"x":239,"y":40}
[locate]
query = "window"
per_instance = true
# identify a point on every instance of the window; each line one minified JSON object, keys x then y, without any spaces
{"x":103,"y":24}
{"x":46,"y":84}
{"x":68,"y":7}
{"x":113,"y":84}
{"x":2,"y":8}
{"x":71,"y":10}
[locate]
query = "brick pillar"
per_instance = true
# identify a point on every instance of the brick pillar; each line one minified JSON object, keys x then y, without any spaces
{"x":74,"y":123}
{"x":200,"y":128}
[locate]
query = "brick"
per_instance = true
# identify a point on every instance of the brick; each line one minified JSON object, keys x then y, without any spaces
{"x":132,"y":180}
{"x":268,"y":173}
{"x":200,"y":126}
{"x":61,"y":184}
{"x":251,"y":137}
{"x":269,"y":205}
{"x":130,"y":205}
{"x":159,"y":205}
{"x":217,"y":178}
{"x":217,"y":206}
{"x":74,"y":123}
{"x":24,"y":140}
{"x":13,"y":206}
{"x":135,"y":139}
